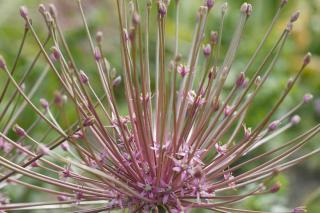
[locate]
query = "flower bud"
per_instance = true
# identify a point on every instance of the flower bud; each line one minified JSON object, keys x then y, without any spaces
{"x":135,"y":19}
{"x":295,"y":119}
{"x":213,"y":37}
{"x":295,"y":16}
{"x":99,"y":36}
{"x":88,"y":121}
{"x":24,"y":12}
{"x":42,"y":9}
{"x":44,"y":103}
{"x":83,"y":77}
{"x":3,"y":64}
{"x":34,"y":164}
{"x":240,"y":80}
{"x":183,"y":70}
{"x":307,"y":59}
{"x":275,"y":188}
{"x":307,"y":98}
{"x":97,"y":54}
{"x":61,"y":198}
{"x":53,"y":10}
{"x":207,"y":50}
{"x":246,"y":8}
{"x":274,"y":125}
{"x":65,"y":146}
{"x":162,"y":9}
{"x":210,"y":4}
{"x":299,"y":210}
{"x":19,"y":130}
{"x":56,"y":53}
{"x":117,"y":81}
{"x":43,"y":149}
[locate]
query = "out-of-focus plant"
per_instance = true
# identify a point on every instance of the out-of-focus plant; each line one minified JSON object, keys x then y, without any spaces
{"x":184,"y":143}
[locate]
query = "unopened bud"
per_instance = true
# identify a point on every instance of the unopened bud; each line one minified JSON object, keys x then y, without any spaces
{"x":307,"y":58}
{"x":61,"y":198}
{"x":274,"y":125}
{"x":3,"y":64}
{"x":224,"y":8}
{"x":275,"y":188}
{"x":97,"y":54}
{"x":83,"y":77}
{"x":210,"y":4}
{"x":246,"y":8}
{"x":283,"y":2}
{"x":53,"y":10}
{"x":44,"y":103}
{"x":99,"y":36}
{"x":42,"y":9}
{"x":207,"y":50}
{"x":56,"y":53}
{"x":116,"y":82}
{"x":162,"y":9}
{"x":295,"y":119}
{"x":240,"y":80}
{"x":34,"y":164}
{"x":307,"y":98}
{"x":19,"y":130}
{"x":299,"y":210}
{"x":257,"y":81}
{"x":65,"y":146}
{"x":135,"y":18}
{"x":43,"y":149}
{"x":24,"y":12}
{"x":213,"y":37}
{"x":89,"y":121}
{"x":295,"y":16}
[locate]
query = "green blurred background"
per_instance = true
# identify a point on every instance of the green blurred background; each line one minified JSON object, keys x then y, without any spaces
{"x":301,"y":185}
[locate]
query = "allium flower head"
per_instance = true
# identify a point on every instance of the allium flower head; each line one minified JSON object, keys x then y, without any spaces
{"x":182,"y":144}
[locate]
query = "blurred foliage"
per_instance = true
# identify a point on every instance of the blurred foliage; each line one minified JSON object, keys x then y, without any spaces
{"x":101,"y":15}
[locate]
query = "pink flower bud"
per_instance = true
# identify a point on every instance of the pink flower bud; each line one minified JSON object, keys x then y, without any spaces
{"x":3,"y":64}
{"x":307,"y":59}
{"x":299,"y":210}
{"x":83,"y":77}
{"x":246,"y":8}
{"x":207,"y":50}
{"x":56,"y":54}
{"x":210,"y":4}
{"x":240,"y":80}
{"x":61,"y":198}
{"x":24,"y":12}
{"x":19,"y":131}
{"x":97,"y":54}
{"x":135,"y":19}
{"x":295,"y":16}
{"x":44,"y":103}
{"x":183,"y":70}
{"x":283,"y":2}
{"x":273,"y":125}
{"x":65,"y":146}
{"x":307,"y":98}
{"x":162,"y":9}
{"x":34,"y":164}
{"x":117,"y":81}
{"x":213,"y":37}
{"x":43,"y":149}
{"x":295,"y":119}
{"x":275,"y":188}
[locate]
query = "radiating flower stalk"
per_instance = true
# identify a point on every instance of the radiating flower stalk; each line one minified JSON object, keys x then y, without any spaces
{"x":183,"y":143}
